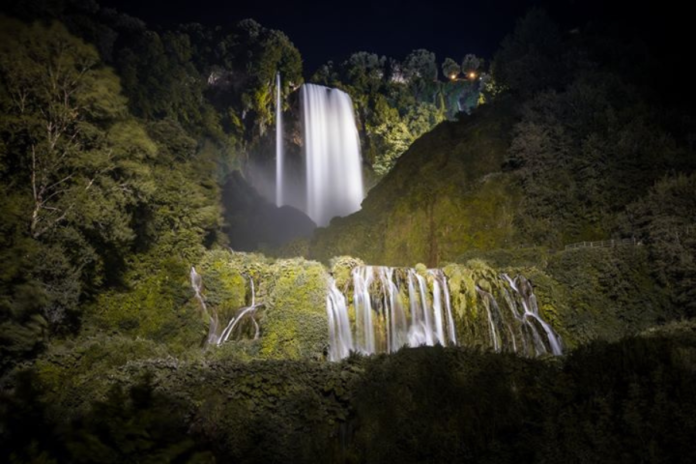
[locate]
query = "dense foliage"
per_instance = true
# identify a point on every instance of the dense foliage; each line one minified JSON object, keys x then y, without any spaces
{"x":117,"y":142}
{"x":666,"y":220}
{"x":397,"y":102}
{"x":114,"y":141}
{"x":627,"y":401}
{"x":567,"y":144}
{"x":74,"y":171}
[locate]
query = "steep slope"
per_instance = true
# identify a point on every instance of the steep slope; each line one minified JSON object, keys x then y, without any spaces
{"x":445,"y":195}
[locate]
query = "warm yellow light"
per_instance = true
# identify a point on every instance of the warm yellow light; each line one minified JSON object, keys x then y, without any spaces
{"x":472,"y":75}
{"x":453,"y":76}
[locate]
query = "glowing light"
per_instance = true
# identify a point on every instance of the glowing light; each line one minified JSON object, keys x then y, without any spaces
{"x":472,"y":75}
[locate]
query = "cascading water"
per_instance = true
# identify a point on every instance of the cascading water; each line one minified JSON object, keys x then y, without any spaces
{"x":340,"y":338}
{"x":247,"y":312}
{"x":197,"y":286}
{"x":395,"y":307}
{"x":383,"y":321}
{"x":332,"y":154}
{"x":280,"y":156}
{"x":523,"y":295}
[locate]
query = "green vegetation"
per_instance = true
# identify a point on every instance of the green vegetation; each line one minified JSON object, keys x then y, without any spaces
{"x":445,"y":196}
{"x":115,"y":143}
{"x":397,"y":102}
{"x":567,"y":150}
{"x":666,"y":220}
{"x":611,"y":402}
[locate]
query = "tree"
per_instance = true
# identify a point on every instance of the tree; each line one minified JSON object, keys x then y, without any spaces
{"x":665,"y":219}
{"x":471,"y":63}
{"x":420,"y":64}
{"x":528,"y":59}
{"x":73,"y":159}
{"x":450,"y":68}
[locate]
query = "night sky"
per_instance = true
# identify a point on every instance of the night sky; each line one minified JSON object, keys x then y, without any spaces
{"x":331,"y":30}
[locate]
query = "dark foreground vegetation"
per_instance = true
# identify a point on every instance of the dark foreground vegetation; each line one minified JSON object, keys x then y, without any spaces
{"x":623,"y":402}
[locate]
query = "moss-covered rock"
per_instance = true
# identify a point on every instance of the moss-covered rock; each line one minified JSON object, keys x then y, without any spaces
{"x":342,"y":268}
{"x":290,"y":295}
{"x":158,"y":307}
{"x":446,"y":195}
{"x":585,"y":293}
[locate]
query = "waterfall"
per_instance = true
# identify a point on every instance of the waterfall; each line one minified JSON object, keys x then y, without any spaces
{"x":197,"y":286}
{"x":242,"y":313}
{"x":396,"y":307}
{"x":332,"y":154}
{"x":384,"y":322}
{"x":341,"y":340}
{"x":280,"y":184}
{"x":529,"y":316}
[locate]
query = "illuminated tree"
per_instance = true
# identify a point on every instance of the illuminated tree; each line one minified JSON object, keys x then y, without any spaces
{"x":471,"y":63}
{"x":450,"y":68}
{"x":420,"y":64}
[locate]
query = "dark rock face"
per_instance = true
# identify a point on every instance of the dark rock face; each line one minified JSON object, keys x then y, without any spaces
{"x":252,"y":222}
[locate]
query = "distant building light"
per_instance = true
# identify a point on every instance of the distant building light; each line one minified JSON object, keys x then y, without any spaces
{"x":453,"y":76}
{"x":472,"y":75}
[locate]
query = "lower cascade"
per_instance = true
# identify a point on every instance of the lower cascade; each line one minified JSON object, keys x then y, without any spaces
{"x":383,"y":309}
{"x":379,"y":309}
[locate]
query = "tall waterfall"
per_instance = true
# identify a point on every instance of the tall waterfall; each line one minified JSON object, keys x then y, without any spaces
{"x":388,"y":308}
{"x":280,"y":184}
{"x":332,"y":154}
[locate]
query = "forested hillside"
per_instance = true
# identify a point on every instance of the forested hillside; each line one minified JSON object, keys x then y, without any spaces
{"x":157,"y":306}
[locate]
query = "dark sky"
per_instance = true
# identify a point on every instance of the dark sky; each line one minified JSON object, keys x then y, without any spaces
{"x":333,"y":29}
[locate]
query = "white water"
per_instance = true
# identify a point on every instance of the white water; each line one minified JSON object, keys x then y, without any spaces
{"x":523,"y":289}
{"x":341,"y":340}
{"x":280,"y":181}
{"x":234,"y":322}
{"x":395,"y":307}
{"x":365,"y":333}
{"x":383,"y":322}
{"x":197,"y":286}
{"x":332,"y":154}
{"x":249,"y":311}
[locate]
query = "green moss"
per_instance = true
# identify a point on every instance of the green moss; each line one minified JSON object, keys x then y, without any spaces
{"x":341,"y":269}
{"x":446,"y":195}
{"x":159,"y":307}
{"x":295,"y":325}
